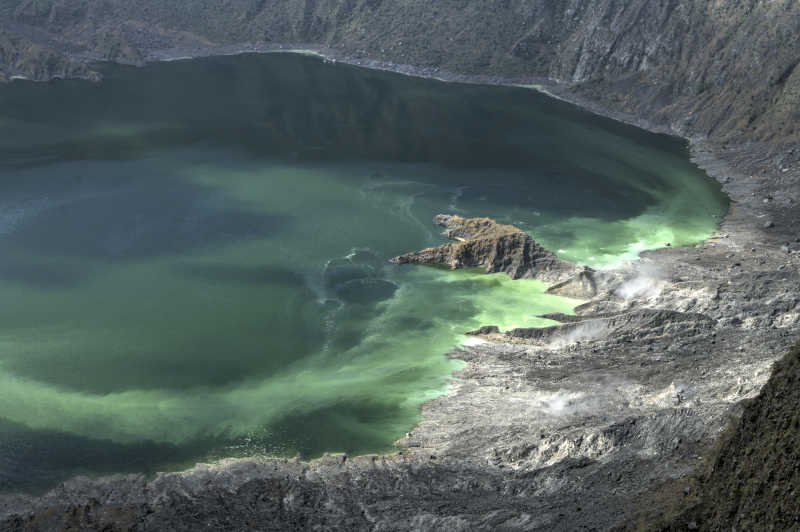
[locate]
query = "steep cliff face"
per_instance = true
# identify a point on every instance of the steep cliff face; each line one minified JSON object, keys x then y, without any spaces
{"x":497,"y":248}
{"x":754,"y":481}
{"x":725,"y":69}
{"x":21,"y":56}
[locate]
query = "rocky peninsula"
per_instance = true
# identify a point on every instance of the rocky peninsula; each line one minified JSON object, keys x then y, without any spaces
{"x":608,"y":420}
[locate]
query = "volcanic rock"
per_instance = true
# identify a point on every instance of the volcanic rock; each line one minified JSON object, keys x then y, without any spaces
{"x":485,"y":330}
{"x":581,"y":286}
{"x":753,"y":479}
{"x":495,"y":247}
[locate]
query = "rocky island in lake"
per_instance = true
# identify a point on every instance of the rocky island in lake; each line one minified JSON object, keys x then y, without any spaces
{"x":496,"y":248}
{"x":204,"y":328}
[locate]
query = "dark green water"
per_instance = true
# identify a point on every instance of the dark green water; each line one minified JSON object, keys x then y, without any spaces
{"x":194,"y":253}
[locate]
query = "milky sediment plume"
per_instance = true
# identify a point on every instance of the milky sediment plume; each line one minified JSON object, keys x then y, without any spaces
{"x":178,"y":272}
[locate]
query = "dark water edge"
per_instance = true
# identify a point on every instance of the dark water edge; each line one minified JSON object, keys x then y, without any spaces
{"x":128,"y":154}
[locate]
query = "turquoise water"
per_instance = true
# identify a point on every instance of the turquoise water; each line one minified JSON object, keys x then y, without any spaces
{"x":194,"y":254}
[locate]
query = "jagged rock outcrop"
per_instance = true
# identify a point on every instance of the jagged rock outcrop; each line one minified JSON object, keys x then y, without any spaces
{"x":641,"y":324}
{"x":484,"y":243}
{"x":754,"y":480}
{"x":484,"y":331}
{"x":584,"y":285}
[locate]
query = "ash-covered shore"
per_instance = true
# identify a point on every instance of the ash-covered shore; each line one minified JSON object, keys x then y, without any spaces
{"x":604,"y":422}
{"x":599,"y":423}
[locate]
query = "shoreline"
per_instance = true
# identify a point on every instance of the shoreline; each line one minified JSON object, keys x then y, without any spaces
{"x":549,"y":87}
{"x":497,"y":365}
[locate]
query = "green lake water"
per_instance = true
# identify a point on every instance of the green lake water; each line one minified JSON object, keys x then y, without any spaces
{"x":193,"y":255}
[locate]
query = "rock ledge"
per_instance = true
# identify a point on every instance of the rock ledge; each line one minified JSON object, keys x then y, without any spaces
{"x":495,"y":247}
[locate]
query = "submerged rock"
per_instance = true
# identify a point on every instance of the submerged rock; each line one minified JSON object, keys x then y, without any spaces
{"x":364,"y":291}
{"x":495,"y":247}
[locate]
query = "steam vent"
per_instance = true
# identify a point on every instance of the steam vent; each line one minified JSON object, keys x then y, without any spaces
{"x":419,"y":266}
